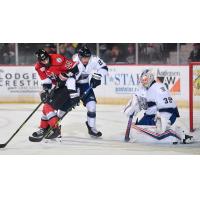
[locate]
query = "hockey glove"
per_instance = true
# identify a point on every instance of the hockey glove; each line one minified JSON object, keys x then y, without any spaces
{"x":75,"y":97}
{"x":44,"y":96}
{"x":61,"y":79}
{"x":95,"y":80}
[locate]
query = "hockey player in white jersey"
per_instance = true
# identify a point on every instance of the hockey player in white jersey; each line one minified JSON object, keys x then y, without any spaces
{"x":91,"y":70}
{"x":160,"y":109}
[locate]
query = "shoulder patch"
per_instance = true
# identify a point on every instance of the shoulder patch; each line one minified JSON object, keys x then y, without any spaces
{"x":42,"y":69}
{"x":59,"y":60}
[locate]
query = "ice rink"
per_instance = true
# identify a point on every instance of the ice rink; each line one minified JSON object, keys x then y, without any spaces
{"x":110,"y":120}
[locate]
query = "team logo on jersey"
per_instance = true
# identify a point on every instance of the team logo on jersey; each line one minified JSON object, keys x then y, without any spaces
{"x":171,"y":79}
{"x":59,"y":60}
{"x":42,"y":69}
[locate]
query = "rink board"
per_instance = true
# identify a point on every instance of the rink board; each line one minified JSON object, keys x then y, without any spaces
{"x":21,"y":83}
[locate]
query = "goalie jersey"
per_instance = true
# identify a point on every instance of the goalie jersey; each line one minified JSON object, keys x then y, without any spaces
{"x":159,"y":99}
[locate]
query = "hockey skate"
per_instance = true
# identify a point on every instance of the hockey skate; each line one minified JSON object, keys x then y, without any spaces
{"x":92,"y":131}
{"x":54,"y":134}
{"x":37,"y":136}
{"x":185,"y":138}
{"x":40,"y":132}
{"x":188,"y":139}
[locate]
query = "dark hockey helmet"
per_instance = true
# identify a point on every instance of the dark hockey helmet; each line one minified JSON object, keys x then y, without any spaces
{"x":41,"y":55}
{"x":84,"y":51}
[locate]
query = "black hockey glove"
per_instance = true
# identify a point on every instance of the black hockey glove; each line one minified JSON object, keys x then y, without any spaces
{"x":61,"y":79}
{"x":95,"y":80}
{"x":75,"y":97}
{"x":44,"y":96}
{"x":46,"y":93}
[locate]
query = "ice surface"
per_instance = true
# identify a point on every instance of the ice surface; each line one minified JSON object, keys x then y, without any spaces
{"x":110,"y":120}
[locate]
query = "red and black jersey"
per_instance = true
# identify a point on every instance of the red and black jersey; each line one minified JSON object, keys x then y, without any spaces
{"x":58,"y":64}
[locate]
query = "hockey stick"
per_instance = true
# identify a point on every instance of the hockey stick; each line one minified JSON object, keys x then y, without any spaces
{"x":127,"y":134}
{"x":5,"y":144}
{"x":68,"y":110}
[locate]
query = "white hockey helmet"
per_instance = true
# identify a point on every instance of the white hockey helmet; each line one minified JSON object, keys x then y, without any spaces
{"x":146,"y":78}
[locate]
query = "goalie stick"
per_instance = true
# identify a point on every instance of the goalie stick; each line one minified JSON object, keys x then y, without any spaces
{"x":32,"y":139}
{"x":5,"y":144}
{"x":127,"y":134}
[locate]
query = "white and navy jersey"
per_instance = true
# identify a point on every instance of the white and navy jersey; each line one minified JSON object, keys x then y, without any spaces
{"x":159,"y":99}
{"x":95,"y":65}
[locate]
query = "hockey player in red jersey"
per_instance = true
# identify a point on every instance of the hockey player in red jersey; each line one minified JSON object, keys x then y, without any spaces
{"x":57,"y":70}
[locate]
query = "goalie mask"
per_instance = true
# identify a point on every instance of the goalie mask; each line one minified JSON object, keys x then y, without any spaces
{"x":146,"y":78}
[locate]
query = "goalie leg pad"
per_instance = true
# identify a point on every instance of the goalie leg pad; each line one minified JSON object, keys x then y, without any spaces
{"x":147,"y":120}
{"x":173,"y":118}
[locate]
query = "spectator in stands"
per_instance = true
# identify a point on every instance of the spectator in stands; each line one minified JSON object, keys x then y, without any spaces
{"x":62,"y":49}
{"x":7,"y":54}
{"x":195,"y":53}
{"x":154,"y":52}
{"x":104,"y":51}
{"x":50,"y":48}
{"x":114,"y":56}
{"x":130,"y":55}
{"x":71,"y":49}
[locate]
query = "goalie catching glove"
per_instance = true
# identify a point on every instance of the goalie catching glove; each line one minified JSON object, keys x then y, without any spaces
{"x":95,"y":80}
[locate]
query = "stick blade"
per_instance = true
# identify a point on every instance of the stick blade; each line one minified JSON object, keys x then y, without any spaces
{"x":33,"y":139}
{"x":2,"y":146}
{"x":127,"y":139}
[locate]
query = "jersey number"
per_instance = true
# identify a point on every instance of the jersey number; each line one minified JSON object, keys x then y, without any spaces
{"x":100,"y":62}
{"x":168,"y":100}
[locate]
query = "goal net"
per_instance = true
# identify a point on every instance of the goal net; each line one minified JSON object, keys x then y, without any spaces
{"x":194,"y":98}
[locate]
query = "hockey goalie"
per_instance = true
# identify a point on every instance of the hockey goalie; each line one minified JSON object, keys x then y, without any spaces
{"x":154,"y":113}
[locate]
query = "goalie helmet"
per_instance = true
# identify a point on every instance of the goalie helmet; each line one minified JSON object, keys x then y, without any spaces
{"x":146,"y":78}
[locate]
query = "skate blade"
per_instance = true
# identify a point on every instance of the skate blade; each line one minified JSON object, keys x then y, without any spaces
{"x":96,"y":137}
{"x":55,"y":140}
